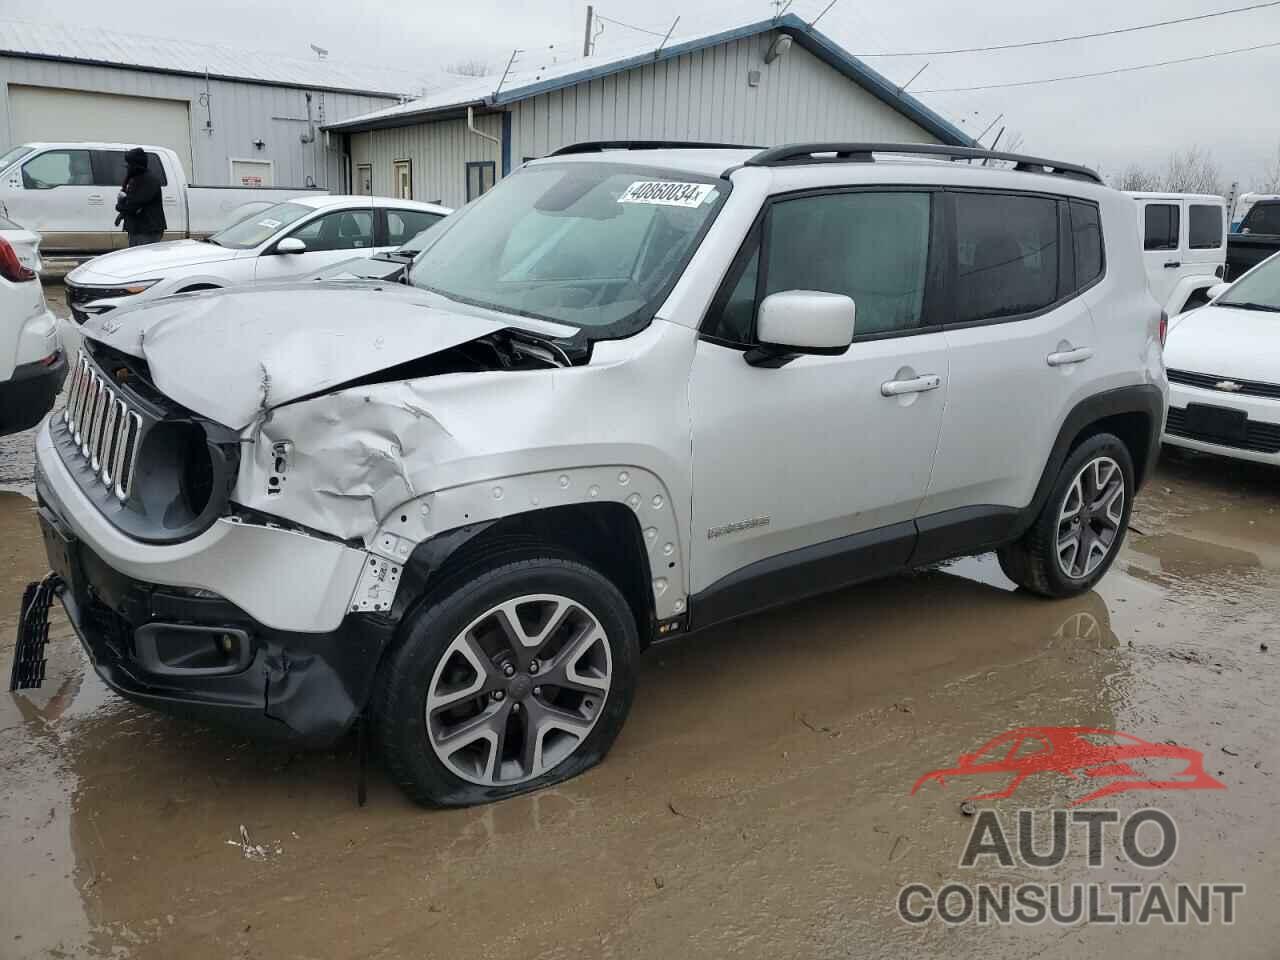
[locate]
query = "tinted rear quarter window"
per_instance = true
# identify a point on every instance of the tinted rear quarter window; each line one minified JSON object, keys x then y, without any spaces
{"x":1204,"y":227}
{"x":1163,"y":221}
{"x":1086,"y":235}
{"x":1006,"y":255}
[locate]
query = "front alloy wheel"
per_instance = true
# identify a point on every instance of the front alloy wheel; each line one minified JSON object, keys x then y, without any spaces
{"x":1091,"y":518}
{"x":519,"y":689}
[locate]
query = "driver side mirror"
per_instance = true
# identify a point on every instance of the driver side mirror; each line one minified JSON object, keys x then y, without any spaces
{"x":291,"y":245}
{"x":1217,"y":290}
{"x":794,"y":322}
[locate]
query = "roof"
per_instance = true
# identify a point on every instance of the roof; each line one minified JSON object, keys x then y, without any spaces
{"x":1164,"y":195}
{"x":77,"y":44}
{"x":325,"y":201}
{"x":522,"y":85}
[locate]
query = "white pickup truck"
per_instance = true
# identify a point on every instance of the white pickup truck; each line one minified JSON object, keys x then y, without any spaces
{"x":66,"y":192}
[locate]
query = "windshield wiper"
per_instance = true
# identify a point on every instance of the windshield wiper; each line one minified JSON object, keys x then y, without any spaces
{"x":1248,"y":305}
{"x":399,"y":254}
{"x":213,"y":241}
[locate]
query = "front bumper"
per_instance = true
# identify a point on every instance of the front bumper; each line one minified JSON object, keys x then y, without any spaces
{"x":1262,"y":441}
{"x":154,"y":619}
{"x":29,"y":394}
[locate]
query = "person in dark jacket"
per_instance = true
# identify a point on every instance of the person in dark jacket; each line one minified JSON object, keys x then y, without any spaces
{"x":139,"y":203}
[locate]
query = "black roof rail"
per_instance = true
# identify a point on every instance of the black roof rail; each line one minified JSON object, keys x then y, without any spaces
{"x":599,"y":146}
{"x":802,"y":153}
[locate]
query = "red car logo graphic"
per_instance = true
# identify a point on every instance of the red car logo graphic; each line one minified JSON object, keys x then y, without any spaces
{"x":1077,"y":752}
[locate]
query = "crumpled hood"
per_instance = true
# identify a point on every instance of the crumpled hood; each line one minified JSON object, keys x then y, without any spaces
{"x":1226,"y":342}
{"x":232,"y":354}
{"x":153,"y":261}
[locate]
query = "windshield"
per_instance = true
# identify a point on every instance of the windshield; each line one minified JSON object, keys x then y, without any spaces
{"x":14,"y":154}
{"x":1259,"y":290}
{"x":593,"y":245}
{"x":250,"y":232}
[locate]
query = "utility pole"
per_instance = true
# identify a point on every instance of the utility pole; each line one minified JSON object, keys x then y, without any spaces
{"x":586,"y":37}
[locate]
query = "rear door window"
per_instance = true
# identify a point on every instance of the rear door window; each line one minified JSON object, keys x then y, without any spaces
{"x":109,"y":169}
{"x":1006,"y":256}
{"x":1204,"y":226}
{"x":404,"y":225}
{"x":1163,"y":221}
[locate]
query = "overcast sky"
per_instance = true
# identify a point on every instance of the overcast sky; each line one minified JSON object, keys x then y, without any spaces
{"x":1228,"y":105}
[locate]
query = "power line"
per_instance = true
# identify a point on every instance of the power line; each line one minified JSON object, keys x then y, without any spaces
{"x":1079,"y":36}
{"x":652,"y":33}
{"x":1104,"y":73}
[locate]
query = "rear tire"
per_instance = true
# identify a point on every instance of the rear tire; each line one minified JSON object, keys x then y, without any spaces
{"x":518,"y":678}
{"x":1078,"y":532}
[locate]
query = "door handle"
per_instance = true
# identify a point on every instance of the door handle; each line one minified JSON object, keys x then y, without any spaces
{"x":1172,"y":265}
{"x":922,"y":384}
{"x":95,"y":199}
{"x":1067,"y":357}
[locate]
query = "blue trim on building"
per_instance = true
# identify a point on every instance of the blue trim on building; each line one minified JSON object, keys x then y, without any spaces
{"x":506,"y":143}
{"x":814,"y":41}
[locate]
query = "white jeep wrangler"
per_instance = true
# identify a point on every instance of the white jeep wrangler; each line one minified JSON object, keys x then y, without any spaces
{"x":628,"y":394}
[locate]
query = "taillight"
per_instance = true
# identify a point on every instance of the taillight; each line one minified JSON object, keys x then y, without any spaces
{"x":1164,"y":327}
{"x":11,"y":268}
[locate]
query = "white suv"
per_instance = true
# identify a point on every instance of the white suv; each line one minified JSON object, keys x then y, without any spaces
{"x":624,"y":397}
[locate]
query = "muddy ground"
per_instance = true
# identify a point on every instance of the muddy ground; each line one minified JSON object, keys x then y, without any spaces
{"x":757,"y":804}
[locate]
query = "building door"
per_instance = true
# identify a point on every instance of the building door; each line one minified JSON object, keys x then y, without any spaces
{"x":403,"y":179}
{"x":50,"y":113}
{"x":364,"y":180}
{"x":480,"y":175}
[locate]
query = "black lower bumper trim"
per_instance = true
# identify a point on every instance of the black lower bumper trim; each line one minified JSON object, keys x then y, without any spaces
{"x":306,"y":689}
{"x":29,"y":394}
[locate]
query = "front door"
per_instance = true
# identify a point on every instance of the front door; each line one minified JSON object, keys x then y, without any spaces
{"x":820,"y":464}
{"x":59,"y":200}
{"x":330,"y":238}
{"x":1020,"y":339}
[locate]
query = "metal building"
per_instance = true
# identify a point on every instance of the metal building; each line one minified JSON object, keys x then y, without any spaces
{"x":762,"y":83}
{"x":233,"y":116}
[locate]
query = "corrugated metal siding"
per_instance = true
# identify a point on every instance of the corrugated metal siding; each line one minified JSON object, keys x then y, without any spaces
{"x":698,"y":96}
{"x":440,"y":152}
{"x":241,"y":113}
{"x":705,"y":96}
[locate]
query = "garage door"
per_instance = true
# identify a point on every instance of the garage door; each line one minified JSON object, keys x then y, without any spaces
{"x":50,"y":113}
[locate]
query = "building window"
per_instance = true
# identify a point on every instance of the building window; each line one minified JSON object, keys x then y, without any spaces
{"x":480,"y":176}
{"x":364,"y":179}
{"x":403,"y":179}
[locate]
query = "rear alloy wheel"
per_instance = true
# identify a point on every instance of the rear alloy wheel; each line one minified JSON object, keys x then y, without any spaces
{"x":519,"y":689}
{"x":518,"y":677}
{"x":1078,"y":533}
{"x":1089,"y":522}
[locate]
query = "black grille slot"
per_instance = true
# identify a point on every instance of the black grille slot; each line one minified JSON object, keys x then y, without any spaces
{"x":1260,"y":437}
{"x":1209,"y":381}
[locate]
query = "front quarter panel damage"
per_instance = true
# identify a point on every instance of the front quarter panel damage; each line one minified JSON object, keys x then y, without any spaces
{"x":393,"y":464}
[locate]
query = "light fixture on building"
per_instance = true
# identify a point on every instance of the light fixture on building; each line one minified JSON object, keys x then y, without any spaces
{"x":779,"y":46}
{"x":259,"y":143}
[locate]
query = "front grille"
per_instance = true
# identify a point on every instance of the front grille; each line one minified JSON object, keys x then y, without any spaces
{"x":104,"y":426}
{"x":1259,"y":437}
{"x":1209,"y":381}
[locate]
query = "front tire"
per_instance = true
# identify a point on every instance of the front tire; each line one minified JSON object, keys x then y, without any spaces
{"x":519,"y":678}
{"x":1078,"y":532}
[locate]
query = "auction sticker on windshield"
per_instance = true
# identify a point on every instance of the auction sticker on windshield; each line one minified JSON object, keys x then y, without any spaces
{"x":667,"y":193}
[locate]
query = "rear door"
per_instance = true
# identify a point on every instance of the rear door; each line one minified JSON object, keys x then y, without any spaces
{"x":330,"y":238}
{"x":1020,"y":340}
{"x":109,"y":171}
{"x":1163,"y":245}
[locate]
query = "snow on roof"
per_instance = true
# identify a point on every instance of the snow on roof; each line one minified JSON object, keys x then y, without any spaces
{"x":519,"y":85}
{"x":92,"y":45}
